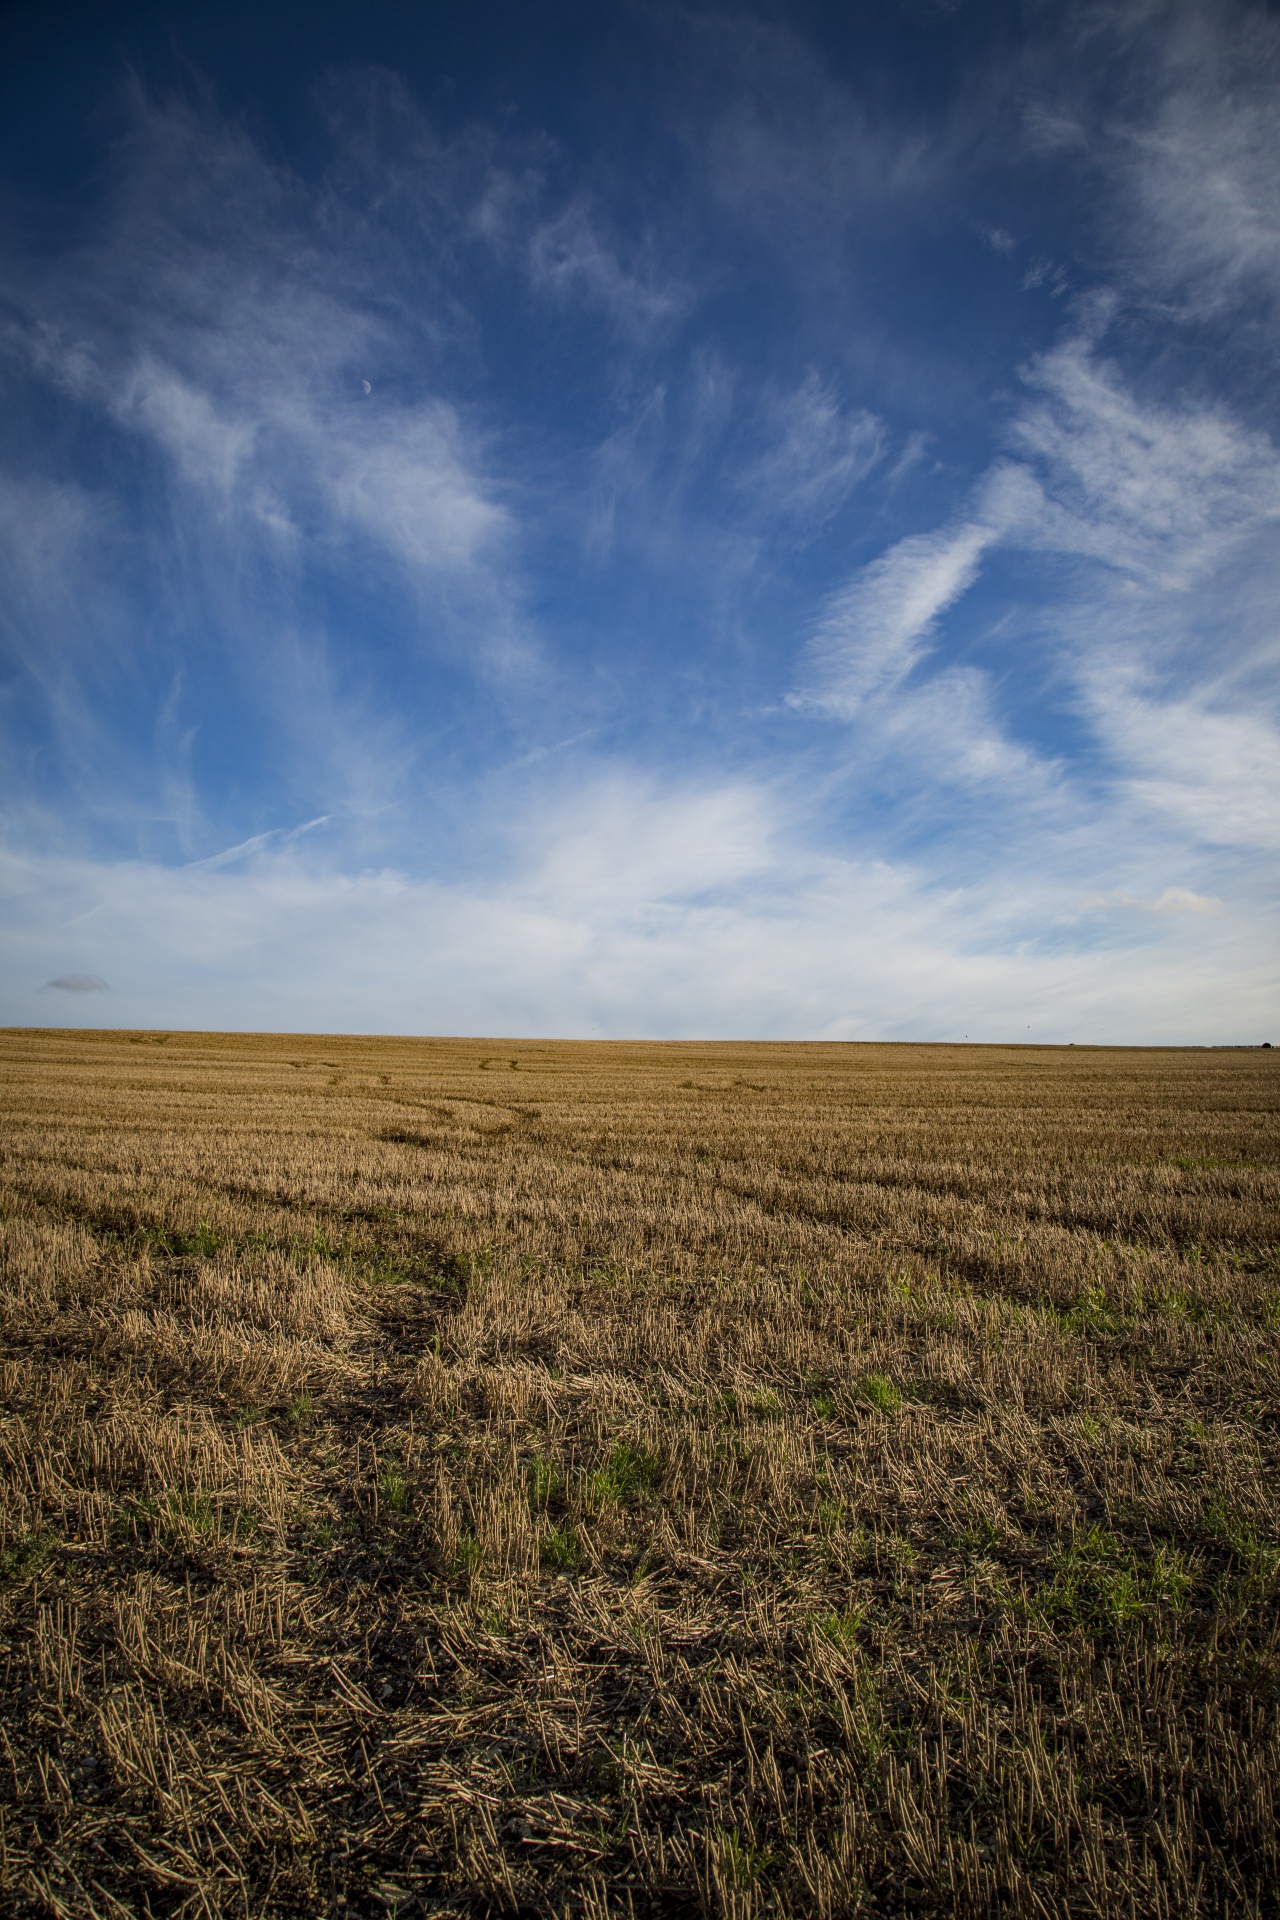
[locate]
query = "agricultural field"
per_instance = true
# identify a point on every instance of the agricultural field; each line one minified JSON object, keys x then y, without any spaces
{"x":461,"y":1477}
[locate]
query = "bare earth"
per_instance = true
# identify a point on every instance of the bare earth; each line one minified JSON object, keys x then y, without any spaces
{"x":465,"y":1477}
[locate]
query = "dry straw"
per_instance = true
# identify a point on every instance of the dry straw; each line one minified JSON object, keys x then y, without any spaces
{"x":552,"y":1479}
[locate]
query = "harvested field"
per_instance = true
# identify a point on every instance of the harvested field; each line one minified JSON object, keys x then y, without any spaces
{"x":450,"y":1477}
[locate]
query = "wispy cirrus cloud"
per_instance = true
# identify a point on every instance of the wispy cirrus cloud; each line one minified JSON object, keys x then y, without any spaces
{"x":246,"y":478}
{"x":1192,"y":153}
{"x":1162,"y":519}
{"x":1165,"y":491}
{"x":276,"y":837}
{"x":815,"y":452}
{"x":261,"y":404}
{"x":798,"y":156}
{"x":1167,"y":110}
{"x":571,"y":262}
{"x":875,"y":631}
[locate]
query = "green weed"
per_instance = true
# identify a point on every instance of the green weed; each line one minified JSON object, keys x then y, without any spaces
{"x":1100,"y":1584}
{"x":546,"y":1482}
{"x":880,"y":1393}
{"x":841,"y":1629}
{"x":25,"y":1555}
{"x":393,"y":1487}
{"x":561,"y":1549}
{"x":468,"y":1556}
{"x":187,"y":1512}
{"x":741,"y":1860}
{"x":831,"y":1516}
{"x":1093,"y":1313}
{"x":627,"y":1473}
{"x":1256,"y":1561}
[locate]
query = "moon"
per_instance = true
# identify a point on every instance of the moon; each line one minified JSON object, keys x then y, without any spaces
{"x":366,"y":386}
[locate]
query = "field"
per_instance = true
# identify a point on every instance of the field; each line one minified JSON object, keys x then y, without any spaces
{"x":457,"y":1477}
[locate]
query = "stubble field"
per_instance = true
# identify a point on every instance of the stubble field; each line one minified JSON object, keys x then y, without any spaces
{"x":454,"y":1477}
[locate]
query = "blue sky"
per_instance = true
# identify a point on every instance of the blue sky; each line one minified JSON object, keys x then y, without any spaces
{"x":656,"y":520}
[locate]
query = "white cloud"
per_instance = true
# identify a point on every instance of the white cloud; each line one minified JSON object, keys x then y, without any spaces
{"x":816,"y":452}
{"x":874,"y":632}
{"x":1172,"y":900}
{"x":255,"y":844}
{"x":626,"y":842}
{"x":206,"y":446}
{"x":1210,"y":770}
{"x":1180,"y":508}
{"x":210,"y":335}
{"x":796,"y":156}
{"x":52,"y":534}
{"x":1045,"y":273}
{"x":702,"y":911}
{"x":1169,"y":112}
{"x":1159,"y":490}
{"x":281,"y":444}
{"x":949,"y":729}
{"x":1047,"y":131}
{"x":570,"y":262}
{"x":1202,"y":165}
{"x":411,"y":485}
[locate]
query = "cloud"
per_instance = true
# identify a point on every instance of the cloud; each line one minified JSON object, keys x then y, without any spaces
{"x":249,"y":383}
{"x":78,"y":983}
{"x":1167,"y":109}
{"x":816,"y":451}
{"x":1172,"y":900}
{"x":408,"y":483}
{"x":1048,"y":132}
{"x":949,"y":732}
{"x":704,"y":910}
{"x":1173,"y":511}
{"x":1210,"y":767}
{"x":1146,"y":748}
{"x":287,"y":456}
{"x":1045,"y":273}
{"x":208,"y":445}
{"x":630,"y":842}
{"x":1163,"y":490}
{"x":796,"y":156}
{"x":201,"y":506}
{"x":53,"y":538}
{"x":570,"y":263}
{"x":1200,"y":166}
{"x":245,"y":849}
{"x":875,"y":631}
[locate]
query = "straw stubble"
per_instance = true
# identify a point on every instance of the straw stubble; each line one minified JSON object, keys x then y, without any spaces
{"x":456,"y":1477}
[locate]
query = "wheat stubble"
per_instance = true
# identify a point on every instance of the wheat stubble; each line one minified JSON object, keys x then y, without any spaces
{"x":467,"y":1477}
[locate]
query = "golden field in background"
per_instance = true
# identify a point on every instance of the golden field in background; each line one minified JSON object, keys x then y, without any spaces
{"x":467,"y":1477}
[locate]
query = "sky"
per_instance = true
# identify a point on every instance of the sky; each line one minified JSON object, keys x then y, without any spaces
{"x":644,"y":520}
